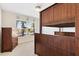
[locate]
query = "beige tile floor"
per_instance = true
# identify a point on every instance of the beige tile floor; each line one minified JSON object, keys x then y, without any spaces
{"x":24,"y":48}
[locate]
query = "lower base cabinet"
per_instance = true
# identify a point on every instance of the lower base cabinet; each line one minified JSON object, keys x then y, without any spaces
{"x":41,"y":50}
{"x":51,"y":46}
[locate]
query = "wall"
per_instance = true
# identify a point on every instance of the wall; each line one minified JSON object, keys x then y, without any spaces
{"x":8,"y":19}
{"x":37,"y":25}
{"x":70,"y":29}
{"x":0,"y":29}
{"x":51,"y":30}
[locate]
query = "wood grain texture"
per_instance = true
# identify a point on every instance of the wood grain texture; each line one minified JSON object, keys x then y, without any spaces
{"x":59,"y":12}
{"x":8,"y":42}
{"x":6,"y":39}
{"x":66,"y":14}
{"x":54,"y":45}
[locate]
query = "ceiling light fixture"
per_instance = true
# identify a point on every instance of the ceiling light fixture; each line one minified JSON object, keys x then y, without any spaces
{"x":38,"y":8}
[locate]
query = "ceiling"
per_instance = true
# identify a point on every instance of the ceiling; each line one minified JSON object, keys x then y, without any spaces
{"x":24,"y":8}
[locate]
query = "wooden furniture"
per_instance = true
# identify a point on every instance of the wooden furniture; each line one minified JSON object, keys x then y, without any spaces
{"x":59,"y":15}
{"x":48,"y":45}
{"x":72,"y":34}
{"x":8,"y":42}
{"x":58,"y":12}
{"x":14,"y":42}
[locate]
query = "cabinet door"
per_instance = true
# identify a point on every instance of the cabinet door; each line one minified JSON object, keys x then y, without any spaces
{"x":77,"y":20}
{"x":56,"y":12}
{"x":46,"y":17}
{"x":60,"y":12}
{"x":6,"y":39}
{"x":43,"y":17}
{"x":63,"y":11}
{"x":41,"y":49}
{"x":77,"y":29}
{"x":71,"y":10}
{"x":51,"y":15}
{"x":66,"y":11}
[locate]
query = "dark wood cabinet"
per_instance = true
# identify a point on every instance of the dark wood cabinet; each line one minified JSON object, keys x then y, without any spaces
{"x":40,"y":49}
{"x":57,"y":12}
{"x":71,"y":9}
{"x":8,"y":42}
{"x":62,"y":44}
{"x":77,"y":20}
{"x":43,"y":17}
{"x":47,"y":16}
{"x":61,"y":11}
{"x":14,"y":42}
{"x":51,"y":14}
{"x":77,"y":30}
{"x":54,"y":45}
{"x":6,"y":39}
{"x":72,"y":34}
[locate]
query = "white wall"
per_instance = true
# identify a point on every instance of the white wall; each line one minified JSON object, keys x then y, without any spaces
{"x":0,"y":29}
{"x":69,"y":29}
{"x":51,"y":30}
{"x":8,"y":19}
{"x":37,"y":25}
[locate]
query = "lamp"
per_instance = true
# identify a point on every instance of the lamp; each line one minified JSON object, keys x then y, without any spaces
{"x":38,"y":8}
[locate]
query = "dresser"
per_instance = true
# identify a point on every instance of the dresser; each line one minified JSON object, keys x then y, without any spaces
{"x":8,"y":42}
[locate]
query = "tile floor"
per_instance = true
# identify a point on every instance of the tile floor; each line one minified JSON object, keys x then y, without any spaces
{"x":24,"y":48}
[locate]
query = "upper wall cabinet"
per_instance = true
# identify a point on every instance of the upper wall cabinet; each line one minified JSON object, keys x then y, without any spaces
{"x":71,"y":8}
{"x":43,"y":17}
{"x":51,"y":14}
{"x":47,"y":16}
{"x":64,"y":11}
{"x":77,"y":20}
{"x":57,"y":11}
{"x":61,"y":11}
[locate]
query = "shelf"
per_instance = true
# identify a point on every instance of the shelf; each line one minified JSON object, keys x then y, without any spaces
{"x":65,"y":33}
{"x":63,"y":23}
